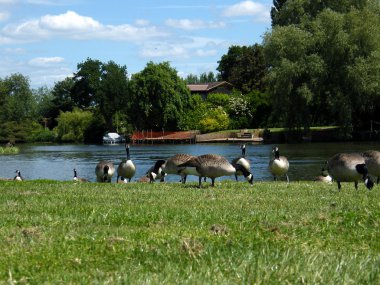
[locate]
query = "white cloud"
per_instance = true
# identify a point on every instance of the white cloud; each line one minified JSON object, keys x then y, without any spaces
{"x":70,"y":21}
{"x":142,"y":22}
{"x":8,"y":1}
{"x":202,"y":52}
{"x":4,"y":16}
{"x":248,"y":8}
{"x":74,"y":26}
{"x":46,"y":61}
{"x":182,"y":47}
{"x":187,"y":24}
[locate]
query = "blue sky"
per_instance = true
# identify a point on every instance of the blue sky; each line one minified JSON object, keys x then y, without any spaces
{"x":46,"y":39}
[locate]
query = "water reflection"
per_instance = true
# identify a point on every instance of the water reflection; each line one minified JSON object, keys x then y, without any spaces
{"x":57,"y":161}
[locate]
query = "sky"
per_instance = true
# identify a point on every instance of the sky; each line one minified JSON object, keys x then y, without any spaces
{"x":46,"y":39}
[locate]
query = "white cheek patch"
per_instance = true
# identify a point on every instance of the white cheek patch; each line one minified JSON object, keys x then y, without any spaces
{"x":154,"y":175}
{"x":249,"y":177}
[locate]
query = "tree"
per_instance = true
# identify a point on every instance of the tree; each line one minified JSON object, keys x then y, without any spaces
{"x":244,"y":67}
{"x":113,"y":94}
{"x":275,"y":11}
{"x":324,"y":69}
{"x":193,"y":114}
{"x":102,"y":86}
{"x":86,"y":83}
{"x":203,"y":78}
{"x":215,"y":119}
{"x":17,"y":99}
{"x":72,"y":125}
{"x":159,"y":97}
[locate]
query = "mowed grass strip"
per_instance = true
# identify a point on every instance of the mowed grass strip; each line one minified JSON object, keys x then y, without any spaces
{"x":271,"y":233}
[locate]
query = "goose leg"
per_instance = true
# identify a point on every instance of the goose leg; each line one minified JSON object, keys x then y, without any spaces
{"x":287,"y":178}
{"x":339,"y":186}
{"x":200,"y":182}
{"x":117,"y":179}
{"x":212,"y":182}
{"x":356,"y":185}
{"x":236,"y":177}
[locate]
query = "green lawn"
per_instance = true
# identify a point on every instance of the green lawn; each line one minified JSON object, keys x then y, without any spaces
{"x":271,"y":233}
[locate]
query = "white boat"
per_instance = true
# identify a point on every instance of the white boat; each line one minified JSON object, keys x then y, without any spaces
{"x":113,"y":138}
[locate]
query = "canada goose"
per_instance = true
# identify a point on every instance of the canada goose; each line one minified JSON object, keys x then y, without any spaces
{"x":104,"y":171}
{"x":324,"y":177}
{"x":278,"y":165}
{"x":372,"y":160}
{"x":243,"y":149}
{"x":241,"y":161}
{"x":213,"y":166}
{"x":78,"y":179}
{"x":18,"y":176}
{"x":126,"y":168}
{"x":144,"y":179}
{"x":122,"y":180}
{"x":155,"y":172}
{"x":171,"y":166}
{"x":349,"y":167}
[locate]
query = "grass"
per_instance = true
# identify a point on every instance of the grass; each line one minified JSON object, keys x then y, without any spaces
{"x":271,"y":233}
{"x":9,"y":150}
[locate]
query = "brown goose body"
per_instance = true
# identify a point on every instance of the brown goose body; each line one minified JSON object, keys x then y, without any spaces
{"x":213,"y":166}
{"x":349,"y":167}
{"x":171,"y":166}
{"x":104,"y":171}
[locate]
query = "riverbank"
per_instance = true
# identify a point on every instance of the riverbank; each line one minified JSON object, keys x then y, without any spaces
{"x":62,"y":232}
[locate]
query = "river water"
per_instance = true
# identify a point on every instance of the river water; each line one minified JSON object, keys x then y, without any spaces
{"x":57,"y":161}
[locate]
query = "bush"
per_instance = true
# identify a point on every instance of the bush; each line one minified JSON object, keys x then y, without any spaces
{"x":72,"y":125}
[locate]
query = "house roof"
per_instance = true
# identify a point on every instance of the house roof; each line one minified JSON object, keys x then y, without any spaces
{"x":204,"y":87}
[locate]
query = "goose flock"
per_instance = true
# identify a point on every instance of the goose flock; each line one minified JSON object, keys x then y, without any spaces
{"x":342,"y":167}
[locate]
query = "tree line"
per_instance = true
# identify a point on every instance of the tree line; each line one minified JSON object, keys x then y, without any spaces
{"x":318,"y":65}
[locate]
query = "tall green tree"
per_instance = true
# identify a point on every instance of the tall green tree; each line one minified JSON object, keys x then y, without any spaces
{"x":244,"y":67}
{"x":102,"y":86}
{"x":113,"y":94}
{"x":17,"y":100}
{"x":86,"y":83}
{"x":324,"y":69}
{"x":159,"y":97}
{"x":275,"y":11}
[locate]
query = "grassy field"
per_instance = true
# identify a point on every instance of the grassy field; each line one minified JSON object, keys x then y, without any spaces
{"x":271,"y":233}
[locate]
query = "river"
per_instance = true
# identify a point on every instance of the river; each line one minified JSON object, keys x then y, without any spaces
{"x":58,"y":161}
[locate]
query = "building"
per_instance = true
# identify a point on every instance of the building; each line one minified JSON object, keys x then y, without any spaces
{"x":204,"y":89}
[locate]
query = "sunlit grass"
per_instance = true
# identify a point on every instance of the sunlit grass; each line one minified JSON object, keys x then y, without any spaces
{"x":271,"y":233}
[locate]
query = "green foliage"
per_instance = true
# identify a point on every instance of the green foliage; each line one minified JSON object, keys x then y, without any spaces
{"x":42,"y":135}
{"x":96,"y":129}
{"x":19,"y":131}
{"x":16,"y":98}
{"x":192,"y":115}
{"x":86,"y":83}
{"x":169,"y":233}
{"x":325,"y":64}
{"x":239,"y":112}
{"x":72,"y":125}
{"x":215,"y":119}
{"x":203,"y":78}
{"x":244,"y":67}
{"x":218,"y":99}
{"x":159,"y":97}
{"x":103,"y":86}
{"x":261,"y":108}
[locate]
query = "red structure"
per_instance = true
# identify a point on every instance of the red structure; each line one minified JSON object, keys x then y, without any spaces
{"x":150,"y":137}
